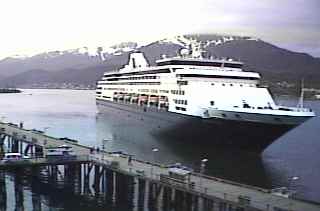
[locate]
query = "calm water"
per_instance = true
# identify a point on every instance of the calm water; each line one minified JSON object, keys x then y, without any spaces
{"x":73,"y":114}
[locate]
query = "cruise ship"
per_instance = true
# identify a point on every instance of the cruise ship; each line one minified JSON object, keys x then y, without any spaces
{"x":189,"y":98}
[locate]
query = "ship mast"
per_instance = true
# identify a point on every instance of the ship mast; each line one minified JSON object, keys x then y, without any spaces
{"x":300,"y":104}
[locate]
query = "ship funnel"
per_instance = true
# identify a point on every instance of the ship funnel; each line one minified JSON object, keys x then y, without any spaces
{"x":137,"y":60}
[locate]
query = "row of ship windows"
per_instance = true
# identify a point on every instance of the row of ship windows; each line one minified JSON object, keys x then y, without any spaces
{"x":201,"y":63}
{"x":230,"y":84}
{"x":182,"y":83}
{"x":138,"y":73}
{"x":178,"y":92}
{"x":175,"y":92}
{"x":180,"y":108}
{"x":158,"y":83}
{"x":148,"y":90}
{"x":154,"y":90}
{"x":183,"y":102}
{"x":133,"y":78}
{"x":114,"y":89}
{"x":131,"y":83}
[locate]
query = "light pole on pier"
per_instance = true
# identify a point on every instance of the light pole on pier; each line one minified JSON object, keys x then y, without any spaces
{"x":291,"y":192}
{"x":104,"y":141}
{"x":154,"y":151}
{"x":202,"y":169}
{"x":292,"y":179}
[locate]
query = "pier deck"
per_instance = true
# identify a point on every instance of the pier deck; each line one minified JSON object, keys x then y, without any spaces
{"x":43,"y":162}
{"x":198,"y":184}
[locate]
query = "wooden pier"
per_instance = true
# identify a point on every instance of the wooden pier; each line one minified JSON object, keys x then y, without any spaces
{"x":116,"y":175}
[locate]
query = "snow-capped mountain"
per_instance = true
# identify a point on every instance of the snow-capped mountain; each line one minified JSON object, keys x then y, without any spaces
{"x":103,"y":52}
{"x":203,"y":40}
{"x":53,"y":61}
{"x":87,"y":64}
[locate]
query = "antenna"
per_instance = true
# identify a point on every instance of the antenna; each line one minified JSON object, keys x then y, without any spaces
{"x":133,"y":62}
{"x":300,"y":104}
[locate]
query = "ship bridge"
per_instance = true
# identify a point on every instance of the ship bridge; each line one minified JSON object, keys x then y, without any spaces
{"x":235,"y":65}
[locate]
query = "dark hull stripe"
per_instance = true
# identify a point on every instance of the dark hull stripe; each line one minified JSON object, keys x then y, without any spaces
{"x":236,"y":134}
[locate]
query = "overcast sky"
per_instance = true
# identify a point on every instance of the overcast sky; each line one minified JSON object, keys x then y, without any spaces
{"x":32,"y":26}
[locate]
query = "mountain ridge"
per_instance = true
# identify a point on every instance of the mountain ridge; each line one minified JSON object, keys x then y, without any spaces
{"x":79,"y":66}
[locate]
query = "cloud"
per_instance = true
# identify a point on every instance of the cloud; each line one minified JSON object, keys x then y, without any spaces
{"x":38,"y":25}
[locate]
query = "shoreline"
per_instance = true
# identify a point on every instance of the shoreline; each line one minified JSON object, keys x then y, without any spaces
{"x":9,"y":91}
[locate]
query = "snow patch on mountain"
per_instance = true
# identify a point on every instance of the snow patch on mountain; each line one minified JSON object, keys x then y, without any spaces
{"x":186,"y":40}
{"x":198,"y":44}
{"x":103,"y":52}
{"x":17,"y":56}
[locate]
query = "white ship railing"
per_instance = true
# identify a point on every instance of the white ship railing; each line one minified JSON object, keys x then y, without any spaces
{"x":295,"y":109}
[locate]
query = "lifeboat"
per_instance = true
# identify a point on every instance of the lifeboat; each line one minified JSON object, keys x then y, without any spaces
{"x":127,"y":97}
{"x":143,"y":98}
{"x":134,"y":97}
{"x":120,"y":96}
{"x":153,"y":99}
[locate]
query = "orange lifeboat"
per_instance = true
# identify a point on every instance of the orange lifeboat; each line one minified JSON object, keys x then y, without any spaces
{"x":135,"y":97}
{"x":120,"y":96}
{"x":143,"y":98}
{"x":127,"y":97}
{"x":153,"y":99}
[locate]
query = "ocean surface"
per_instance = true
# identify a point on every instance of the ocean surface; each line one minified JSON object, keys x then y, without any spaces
{"x":73,"y":114}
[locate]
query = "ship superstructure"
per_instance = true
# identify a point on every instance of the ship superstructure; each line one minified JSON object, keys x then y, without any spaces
{"x":216,"y":93}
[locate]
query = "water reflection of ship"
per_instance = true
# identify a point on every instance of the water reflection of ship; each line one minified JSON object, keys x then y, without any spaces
{"x":230,"y":164}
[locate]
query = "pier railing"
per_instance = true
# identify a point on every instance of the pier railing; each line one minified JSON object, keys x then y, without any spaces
{"x":230,"y":182}
{"x":44,"y":161}
{"x":193,"y":173}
